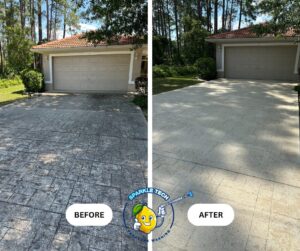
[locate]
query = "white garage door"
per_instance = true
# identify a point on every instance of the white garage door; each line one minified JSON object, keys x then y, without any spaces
{"x":103,"y":73}
{"x":260,"y":62}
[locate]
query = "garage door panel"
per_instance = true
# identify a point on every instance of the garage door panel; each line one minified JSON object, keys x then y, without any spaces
{"x":260,"y":62}
{"x":91,"y":73}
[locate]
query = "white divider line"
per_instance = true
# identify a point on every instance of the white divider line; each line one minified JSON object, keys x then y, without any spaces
{"x":150,"y":112}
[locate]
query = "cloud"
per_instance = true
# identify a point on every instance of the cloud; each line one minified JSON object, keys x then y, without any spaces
{"x":59,"y":34}
{"x":87,"y":27}
{"x":262,"y":19}
{"x":82,"y":28}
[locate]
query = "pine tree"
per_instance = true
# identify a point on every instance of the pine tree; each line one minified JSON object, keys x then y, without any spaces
{"x":119,"y":18}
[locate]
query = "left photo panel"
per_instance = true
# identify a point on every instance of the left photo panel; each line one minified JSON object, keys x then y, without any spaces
{"x":73,"y":124}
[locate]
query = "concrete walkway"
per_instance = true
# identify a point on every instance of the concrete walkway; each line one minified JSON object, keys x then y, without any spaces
{"x":57,"y":150}
{"x":234,"y":142}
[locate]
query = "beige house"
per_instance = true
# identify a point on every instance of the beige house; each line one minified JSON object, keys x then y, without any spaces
{"x":75,"y":65}
{"x":241,"y":54}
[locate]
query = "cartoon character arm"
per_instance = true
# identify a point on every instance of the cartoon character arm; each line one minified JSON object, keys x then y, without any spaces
{"x":136,"y":225}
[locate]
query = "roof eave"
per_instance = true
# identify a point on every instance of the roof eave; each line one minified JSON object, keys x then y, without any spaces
{"x":259,"y":39}
{"x":82,"y":48}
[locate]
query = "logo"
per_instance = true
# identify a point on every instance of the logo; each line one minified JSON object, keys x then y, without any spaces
{"x":140,"y":220}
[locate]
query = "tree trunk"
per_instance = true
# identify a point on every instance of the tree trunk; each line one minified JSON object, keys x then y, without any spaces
{"x":51,"y":19}
{"x":223,"y":15}
{"x":176,"y":27}
{"x":1,"y":58}
{"x":216,"y":16}
{"x":22,"y":13}
{"x":164,"y":19}
{"x":64,"y":28}
{"x":40,"y":20}
{"x":9,"y":21}
{"x":32,"y":22}
{"x":226,"y":15}
{"x":169,"y":31}
{"x":208,"y":14}
{"x":241,"y":13}
{"x":160,"y":19}
{"x":199,"y":8}
{"x":55,"y":22}
{"x":47,"y":18}
{"x":230,"y":16}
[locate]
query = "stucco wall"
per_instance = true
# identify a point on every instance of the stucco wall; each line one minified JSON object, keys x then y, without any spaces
{"x":137,"y":63}
{"x":46,"y":67}
{"x":219,"y":56}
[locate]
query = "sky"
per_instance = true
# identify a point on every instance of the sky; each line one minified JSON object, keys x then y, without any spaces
{"x":83,"y":24}
{"x":261,"y":18}
{"x":88,"y":25}
{"x":83,"y":28}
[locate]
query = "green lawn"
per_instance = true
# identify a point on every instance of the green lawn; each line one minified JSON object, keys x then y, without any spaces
{"x":168,"y":84}
{"x":11,"y":93}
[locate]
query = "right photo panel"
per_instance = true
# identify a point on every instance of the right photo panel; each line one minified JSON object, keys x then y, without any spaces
{"x":226,"y":125}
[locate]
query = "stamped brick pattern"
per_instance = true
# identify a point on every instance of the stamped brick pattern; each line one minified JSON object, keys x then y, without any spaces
{"x":64,"y":149}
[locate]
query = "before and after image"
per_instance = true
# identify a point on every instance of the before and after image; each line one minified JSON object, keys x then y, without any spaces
{"x":150,"y":125}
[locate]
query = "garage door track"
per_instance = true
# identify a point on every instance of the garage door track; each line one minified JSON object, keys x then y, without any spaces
{"x":58,"y":150}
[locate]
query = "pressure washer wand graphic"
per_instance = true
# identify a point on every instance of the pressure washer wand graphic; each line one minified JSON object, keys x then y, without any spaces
{"x":161,"y":208}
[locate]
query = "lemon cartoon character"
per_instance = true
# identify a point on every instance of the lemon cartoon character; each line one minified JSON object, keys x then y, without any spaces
{"x":145,"y":218}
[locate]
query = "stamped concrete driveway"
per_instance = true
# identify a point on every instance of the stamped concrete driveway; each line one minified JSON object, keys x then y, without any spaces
{"x":64,"y":149}
{"x":235,"y":142}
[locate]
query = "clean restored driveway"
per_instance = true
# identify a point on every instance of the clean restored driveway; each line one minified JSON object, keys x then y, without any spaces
{"x":64,"y":149}
{"x":235,"y":142}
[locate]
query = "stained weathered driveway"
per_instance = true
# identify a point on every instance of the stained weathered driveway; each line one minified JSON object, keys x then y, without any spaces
{"x":234,"y":142}
{"x":64,"y":149}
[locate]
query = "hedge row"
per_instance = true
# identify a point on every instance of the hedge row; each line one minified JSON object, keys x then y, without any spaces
{"x":163,"y":71}
{"x":31,"y":79}
{"x":205,"y":68}
{"x":5,"y":83}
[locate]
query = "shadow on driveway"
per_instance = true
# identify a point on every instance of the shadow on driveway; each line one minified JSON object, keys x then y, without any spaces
{"x":235,"y":142}
{"x":57,"y":150}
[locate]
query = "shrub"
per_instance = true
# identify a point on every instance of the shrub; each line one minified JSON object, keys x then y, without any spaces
{"x":9,"y":72}
{"x":32,"y":80}
{"x":163,"y":71}
{"x":206,"y":68}
{"x":7,"y":82}
{"x":158,"y":72}
{"x":18,"y":47}
{"x":142,"y":102}
{"x":185,"y":70}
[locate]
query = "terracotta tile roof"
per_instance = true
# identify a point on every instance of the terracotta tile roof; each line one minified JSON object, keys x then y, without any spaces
{"x":246,"y":33}
{"x":77,"y":41}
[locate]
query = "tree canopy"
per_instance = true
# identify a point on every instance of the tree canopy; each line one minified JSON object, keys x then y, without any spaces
{"x":24,"y":23}
{"x":285,"y":15}
{"x":182,"y":26}
{"x":118,"y":18}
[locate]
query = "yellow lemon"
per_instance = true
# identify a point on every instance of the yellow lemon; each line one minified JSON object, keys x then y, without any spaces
{"x":147,"y":218}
